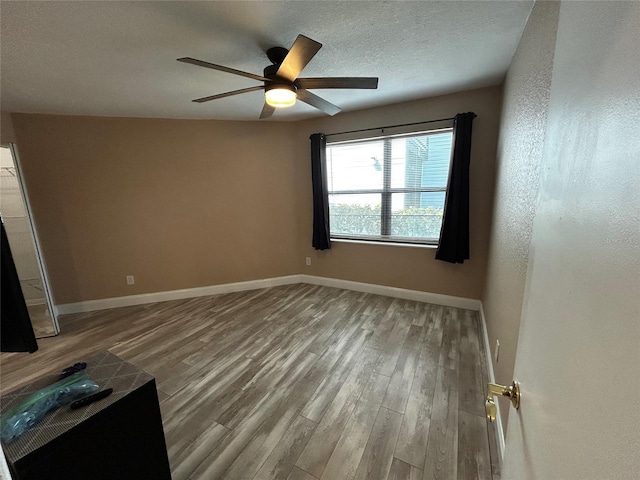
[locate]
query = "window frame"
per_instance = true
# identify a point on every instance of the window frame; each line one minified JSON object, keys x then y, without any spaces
{"x":387,"y":191}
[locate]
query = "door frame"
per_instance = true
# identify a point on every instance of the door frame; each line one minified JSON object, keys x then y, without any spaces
{"x":34,"y":235}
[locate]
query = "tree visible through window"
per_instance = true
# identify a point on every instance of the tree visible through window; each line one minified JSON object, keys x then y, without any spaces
{"x":389,"y":189}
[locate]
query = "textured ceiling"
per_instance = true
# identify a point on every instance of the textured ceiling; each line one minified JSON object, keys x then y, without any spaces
{"x":119,"y":58}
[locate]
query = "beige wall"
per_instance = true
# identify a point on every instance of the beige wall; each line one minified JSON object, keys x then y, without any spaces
{"x":6,"y":129}
{"x":520,"y":145}
{"x":177,"y":203}
{"x":189,"y":203}
{"x":406,"y":267}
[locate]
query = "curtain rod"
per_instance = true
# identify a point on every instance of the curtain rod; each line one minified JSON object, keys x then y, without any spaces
{"x":389,"y":126}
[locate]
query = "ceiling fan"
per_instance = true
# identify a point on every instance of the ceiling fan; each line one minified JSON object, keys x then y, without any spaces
{"x":281,"y":83}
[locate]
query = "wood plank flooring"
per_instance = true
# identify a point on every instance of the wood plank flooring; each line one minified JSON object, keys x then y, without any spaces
{"x":298,"y":382}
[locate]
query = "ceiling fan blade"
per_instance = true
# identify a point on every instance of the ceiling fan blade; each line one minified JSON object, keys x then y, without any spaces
{"x":301,"y":53}
{"x":315,"y":101}
{"x":267,"y":111}
{"x":201,"y":63}
{"x":228,"y":94}
{"x":337,"y":82}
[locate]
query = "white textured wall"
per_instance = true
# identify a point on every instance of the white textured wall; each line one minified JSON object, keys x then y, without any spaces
{"x":579,"y":346}
{"x":524,"y":116}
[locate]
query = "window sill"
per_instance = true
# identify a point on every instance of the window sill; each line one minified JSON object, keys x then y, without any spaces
{"x":387,"y":244}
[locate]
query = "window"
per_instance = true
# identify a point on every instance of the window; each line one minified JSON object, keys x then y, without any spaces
{"x":389,"y":189}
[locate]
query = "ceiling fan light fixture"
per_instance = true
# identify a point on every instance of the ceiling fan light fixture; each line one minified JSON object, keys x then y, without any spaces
{"x":280,"y":96}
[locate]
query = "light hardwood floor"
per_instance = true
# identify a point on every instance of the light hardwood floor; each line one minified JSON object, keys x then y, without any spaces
{"x":298,"y":382}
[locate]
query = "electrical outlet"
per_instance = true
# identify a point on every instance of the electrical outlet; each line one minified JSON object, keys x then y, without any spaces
{"x":130,"y":280}
{"x":308,"y":261}
{"x":497,"y":350}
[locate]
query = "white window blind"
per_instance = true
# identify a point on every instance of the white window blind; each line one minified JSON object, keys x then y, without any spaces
{"x":390,"y":188}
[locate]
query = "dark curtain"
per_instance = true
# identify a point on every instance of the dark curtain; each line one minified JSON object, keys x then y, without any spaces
{"x":16,"y":332}
{"x":321,"y":239}
{"x":454,"y":234}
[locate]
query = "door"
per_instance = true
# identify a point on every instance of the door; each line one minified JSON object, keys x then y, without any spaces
{"x":17,"y":220}
{"x":578,"y":358}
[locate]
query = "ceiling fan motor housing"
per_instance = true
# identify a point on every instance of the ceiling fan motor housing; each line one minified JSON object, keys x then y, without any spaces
{"x":270,"y":73}
{"x":277,"y":54}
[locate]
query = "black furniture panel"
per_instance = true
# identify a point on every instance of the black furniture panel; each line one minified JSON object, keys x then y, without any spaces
{"x":119,"y":437}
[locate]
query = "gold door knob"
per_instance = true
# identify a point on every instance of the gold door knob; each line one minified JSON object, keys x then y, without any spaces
{"x":512,"y":393}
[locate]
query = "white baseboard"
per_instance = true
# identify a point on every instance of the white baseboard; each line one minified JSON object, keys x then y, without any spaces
{"x":492,"y":379}
{"x":130,"y":300}
{"x":416,"y":295}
